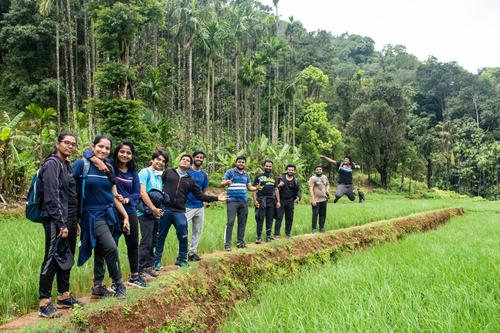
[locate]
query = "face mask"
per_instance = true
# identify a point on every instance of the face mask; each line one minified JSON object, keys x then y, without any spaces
{"x":158,"y":172}
{"x":319,"y":174}
{"x":290,"y":174}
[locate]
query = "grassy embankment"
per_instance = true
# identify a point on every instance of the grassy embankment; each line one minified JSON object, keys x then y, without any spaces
{"x":21,"y":243}
{"x":442,"y":281}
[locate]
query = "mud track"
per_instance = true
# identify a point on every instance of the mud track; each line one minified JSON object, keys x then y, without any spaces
{"x":200,"y":298}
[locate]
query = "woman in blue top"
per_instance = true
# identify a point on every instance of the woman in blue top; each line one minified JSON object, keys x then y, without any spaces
{"x":129,"y":192}
{"x":98,"y":200}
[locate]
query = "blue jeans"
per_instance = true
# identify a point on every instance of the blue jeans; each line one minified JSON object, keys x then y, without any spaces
{"x":178,"y":219}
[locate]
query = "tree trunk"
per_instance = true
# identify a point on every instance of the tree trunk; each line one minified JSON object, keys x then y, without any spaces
{"x":429,"y":173}
{"x":190,"y":92}
{"x":58,"y":74}
{"x":88,"y":67}
{"x":293,"y":121}
{"x":236,"y":99}
{"x":71,"y":62}
{"x":207,"y":110}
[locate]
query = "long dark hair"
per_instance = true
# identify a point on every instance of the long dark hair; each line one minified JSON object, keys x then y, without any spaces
{"x":131,"y":165}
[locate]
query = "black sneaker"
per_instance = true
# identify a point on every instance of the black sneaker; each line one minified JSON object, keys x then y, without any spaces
{"x":288,"y":236}
{"x":194,"y":257}
{"x":100,"y":291}
{"x":49,"y":311}
{"x":313,"y":231}
{"x":258,"y":241}
{"x":269,"y":238}
{"x":68,"y":302}
{"x":120,"y":290}
{"x":227,"y":248}
{"x":321,"y":229}
{"x":277,"y":236}
{"x":137,"y":281}
{"x":241,"y":245}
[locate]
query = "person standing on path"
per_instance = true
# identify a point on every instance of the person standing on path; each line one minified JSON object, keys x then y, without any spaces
{"x":59,"y":210}
{"x":99,"y":202}
{"x":238,"y":182}
{"x":318,"y":189}
{"x":344,"y":169}
{"x":150,"y":179}
{"x":195,"y":209}
{"x":266,"y":200}
{"x":177,"y":183}
{"x":290,"y":194}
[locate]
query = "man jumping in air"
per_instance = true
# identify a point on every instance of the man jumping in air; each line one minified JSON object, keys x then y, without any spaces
{"x":344,"y":169}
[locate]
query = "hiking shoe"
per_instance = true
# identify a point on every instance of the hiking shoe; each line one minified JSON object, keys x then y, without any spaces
{"x":321,"y":230}
{"x":146,"y":277}
{"x":227,"y":248}
{"x":277,"y":236}
{"x":182,"y":263}
{"x":258,"y":241}
{"x":151,"y":271}
{"x":49,"y":311}
{"x":68,"y":302}
{"x":269,"y":238}
{"x":137,"y":281}
{"x":241,"y":245}
{"x":100,"y":291}
{"x":120,"y":290}
{"x":158,"y":266}
{"x":288,"y":236}
{"x":194,"y":257}
{"x":313,"y":231}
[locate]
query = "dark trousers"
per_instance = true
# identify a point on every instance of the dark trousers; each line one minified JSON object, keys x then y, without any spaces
{"x":132,"y":241}
{"x":105,"y":251}
{"x":149,"y":238}
{"x":319,"y":209}
{"x":179,"y":221}
{"x":265,"y":211}
{"x":50,"y":268}
{"x":286,"y":209}
{"x":240,"y":209}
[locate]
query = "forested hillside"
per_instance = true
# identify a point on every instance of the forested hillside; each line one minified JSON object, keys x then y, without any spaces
{"x":231,"y":76}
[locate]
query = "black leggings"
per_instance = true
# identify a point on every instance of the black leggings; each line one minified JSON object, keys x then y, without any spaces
{"x":132,"y":241}
{"x":50,"y":268}
{"x":105,"y":251}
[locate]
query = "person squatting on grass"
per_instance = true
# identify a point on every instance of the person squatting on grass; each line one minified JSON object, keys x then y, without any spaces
{"x":99,"y":199}
{"x":265,"y":200}
{"x":344,"y":169}
{"x":238,"y":182}
{"x":150,"y":179}
{"x":129,"y":192}
{"x":178,"y":183}
{"x":59,"y":210}
{"x":195,"y":209}
{"x":318,"y":189}
{"x":289,"y":188}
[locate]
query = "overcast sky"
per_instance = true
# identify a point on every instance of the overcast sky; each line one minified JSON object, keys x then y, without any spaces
{"x":465,"y":31}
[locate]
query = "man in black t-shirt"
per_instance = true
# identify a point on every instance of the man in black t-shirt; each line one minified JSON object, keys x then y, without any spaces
{"x":344,"y":169}
{"x":265,"y":200}
{"x":290,"y":194}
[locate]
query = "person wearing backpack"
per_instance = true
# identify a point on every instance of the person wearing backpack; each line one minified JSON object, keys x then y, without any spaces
{"x":129,"y":192}
{"x":290,"y":194}
{"x":98,"y":220}
{"x":59,"y":212}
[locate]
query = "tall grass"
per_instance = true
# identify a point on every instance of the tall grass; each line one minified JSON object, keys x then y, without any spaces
{"x":22,"y":243}
{"x":442,"y":281}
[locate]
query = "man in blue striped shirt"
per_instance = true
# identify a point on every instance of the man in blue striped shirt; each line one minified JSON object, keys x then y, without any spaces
{"x":238,"y":182}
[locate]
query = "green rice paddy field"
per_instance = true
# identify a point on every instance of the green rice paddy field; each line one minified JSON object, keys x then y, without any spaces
{"x":21,"y":251}
{"x":440,"y":281}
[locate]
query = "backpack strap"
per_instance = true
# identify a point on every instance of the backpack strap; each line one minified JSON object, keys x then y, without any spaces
{"x":85,"y":172}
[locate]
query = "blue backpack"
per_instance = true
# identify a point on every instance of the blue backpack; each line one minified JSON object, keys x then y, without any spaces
{"x":35,"y":197}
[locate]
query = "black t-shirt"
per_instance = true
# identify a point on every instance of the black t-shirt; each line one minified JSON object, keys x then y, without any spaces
{"x":291,"y":190}
{"x":345,"y":173}
{"x":268,"y":181}
{"x":72,"y":195}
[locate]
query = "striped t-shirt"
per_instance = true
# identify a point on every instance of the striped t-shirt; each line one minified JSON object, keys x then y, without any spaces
{"x":237,"y":191}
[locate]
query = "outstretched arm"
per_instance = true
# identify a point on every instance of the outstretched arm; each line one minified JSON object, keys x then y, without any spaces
{"x":328,"y":159}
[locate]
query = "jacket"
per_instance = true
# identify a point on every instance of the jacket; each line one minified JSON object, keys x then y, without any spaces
{"x":178,"y":188}
{"x":55,"y":184}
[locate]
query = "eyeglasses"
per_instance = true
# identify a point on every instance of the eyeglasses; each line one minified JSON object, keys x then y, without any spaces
{"x":71,"y":144}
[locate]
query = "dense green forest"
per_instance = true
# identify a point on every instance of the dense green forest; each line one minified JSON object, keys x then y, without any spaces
{"x":231,"y":77}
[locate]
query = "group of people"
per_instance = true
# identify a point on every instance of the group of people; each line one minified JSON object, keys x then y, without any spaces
{"x":100,"y":198}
